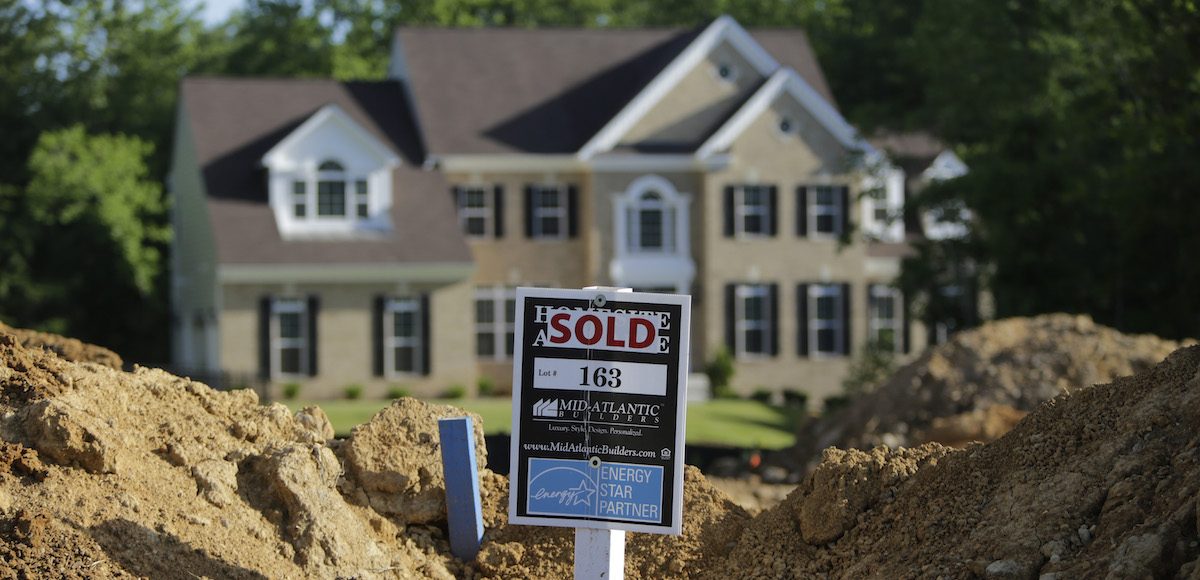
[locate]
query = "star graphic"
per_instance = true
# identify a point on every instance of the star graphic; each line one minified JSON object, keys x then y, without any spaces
{"x":581,"y":493}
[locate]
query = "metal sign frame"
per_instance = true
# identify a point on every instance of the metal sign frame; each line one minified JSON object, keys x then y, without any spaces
{"x":599,"y":409}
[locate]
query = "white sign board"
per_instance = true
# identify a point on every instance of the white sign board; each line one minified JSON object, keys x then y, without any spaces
{"x":599,"y":401}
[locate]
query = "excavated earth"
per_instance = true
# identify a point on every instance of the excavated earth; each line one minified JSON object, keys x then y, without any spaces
{"x":111,"y":474}
{"x":979,"y":384}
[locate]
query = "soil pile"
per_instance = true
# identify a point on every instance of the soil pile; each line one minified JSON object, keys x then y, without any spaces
{"x":66,"y":348}
{"x":111,"y":474}
{"x":1099,"y":483}
{"x":105,"y":473}
{"x":1015,"y":364}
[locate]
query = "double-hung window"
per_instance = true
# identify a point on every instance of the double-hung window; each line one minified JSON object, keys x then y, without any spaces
{"x":825,"y":211}
{"x":331,"y":189}
{"x":474,"y":211}
{"x":753,"y":320}
{"x":651,"y":224}
{"x":752,"y":210}
{"x":289,"y":338}
{"x":548,"y":213}
{"x":826,"y":313}
{"x":495,"y":316}
{"x":884,"y":316}
{"x":404,"y":344}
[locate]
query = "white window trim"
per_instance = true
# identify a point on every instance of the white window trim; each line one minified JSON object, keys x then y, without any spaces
{"x":499,"y":327}
{"x":278,"y":343}
{"x":484,"y":212}
{"x":741,"y":210}
{"x":741,"y":324}
{"x":875,"y":323}
{"x":835,"y":210}
{"x":296,"y":158}
{"x":561,"y":212}
{"x":391,"y":307}
{"x":815,"y":324}
{"x":667,"y":224}
{"x":889,"y":181}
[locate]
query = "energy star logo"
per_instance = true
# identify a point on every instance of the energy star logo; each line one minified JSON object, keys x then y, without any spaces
{"x":546,"y":408}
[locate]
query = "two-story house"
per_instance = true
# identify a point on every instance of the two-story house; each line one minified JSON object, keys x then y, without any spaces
{"x":334,"y":233}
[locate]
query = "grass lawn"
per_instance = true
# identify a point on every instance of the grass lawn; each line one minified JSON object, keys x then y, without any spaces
{"x":735,"y":423}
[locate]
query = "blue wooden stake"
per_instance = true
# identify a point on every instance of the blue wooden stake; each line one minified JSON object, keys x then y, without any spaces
{"x":462,"y":486}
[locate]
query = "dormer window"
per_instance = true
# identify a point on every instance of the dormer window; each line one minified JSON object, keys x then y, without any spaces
{"x":331,"y":189}
{"x":329,"y":178}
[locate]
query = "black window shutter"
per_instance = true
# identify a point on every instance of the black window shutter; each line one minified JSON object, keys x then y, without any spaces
{"x":845,"y":200}
{"x":498,"y":210}
{"x":802,"y":211}
{"x":729,"y":212}
{"x":906,"y":329}
{"x":572,"y":211}
{"x":731,"y":318}
{"x":264,"y":337}
{"x":314,"y":308}
{"x":772,"y":211}
{"x":802,"y":319}
{"x":377,"y":326}
{"x":426,"y":342}
{"x":529,"y":211}
{"x":773,"y":302}
{"x":846,"y":320}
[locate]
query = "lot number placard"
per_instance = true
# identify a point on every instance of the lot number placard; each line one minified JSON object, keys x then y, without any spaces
{"x":599,"y":380}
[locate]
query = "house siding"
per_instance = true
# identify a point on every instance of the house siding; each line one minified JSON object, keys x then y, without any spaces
{"x":344,"y":330}
{"x":762,"y":155}
{"x":698,"y":103}
{"x":193,"y":256}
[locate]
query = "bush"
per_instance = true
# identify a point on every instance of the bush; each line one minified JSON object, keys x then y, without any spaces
{"x":835,"y":403}
{"x":455,"y":392}
{"x":487,"y":388}
{"x":795,"y":398}
{"x":396,"y":392}
{"x":872,"y":367}
{"x":762,"y":395}
{"x":720,"y":372}
{"x":353,"y":392}
{"x":291,"y":391}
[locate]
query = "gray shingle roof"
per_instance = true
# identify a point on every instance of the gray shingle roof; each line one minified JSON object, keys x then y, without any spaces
{"x":512,"y":90}
{"x":235,"y":121}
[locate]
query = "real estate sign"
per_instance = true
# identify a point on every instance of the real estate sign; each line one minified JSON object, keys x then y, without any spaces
{"x":599,"y":381}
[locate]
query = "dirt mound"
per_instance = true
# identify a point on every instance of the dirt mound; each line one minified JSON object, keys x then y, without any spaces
{"x":111,"y":474}
{"x":66,"y":348}
{"x":1016,"y":363}
{"x":1103,"y":482}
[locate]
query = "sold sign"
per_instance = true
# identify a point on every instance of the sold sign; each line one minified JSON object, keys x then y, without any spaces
{"x":619,"y":331}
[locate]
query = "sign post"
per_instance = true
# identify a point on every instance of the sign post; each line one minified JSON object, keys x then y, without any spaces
{"x":599,"y":403}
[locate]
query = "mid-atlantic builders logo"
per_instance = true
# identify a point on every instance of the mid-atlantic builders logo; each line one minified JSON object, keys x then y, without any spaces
{"x":623,"y":413}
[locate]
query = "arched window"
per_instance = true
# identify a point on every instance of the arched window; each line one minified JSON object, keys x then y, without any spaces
{"x":651,"y":224}
{"x":331,"y":189}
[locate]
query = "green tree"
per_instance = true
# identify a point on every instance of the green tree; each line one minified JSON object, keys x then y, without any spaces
{"x":95,"y":238}
{"x":1081,"y":131}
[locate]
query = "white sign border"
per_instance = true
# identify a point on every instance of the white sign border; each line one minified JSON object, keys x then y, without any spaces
{"x":610,"y":295}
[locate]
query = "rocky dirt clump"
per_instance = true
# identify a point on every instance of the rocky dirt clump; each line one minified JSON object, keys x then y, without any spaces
{"x":66,"y":348}
{"x":1099,"y":483}
{"x":1016,"y":363}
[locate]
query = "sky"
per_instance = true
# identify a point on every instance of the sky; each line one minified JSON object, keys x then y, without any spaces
{"x":216,"y":11}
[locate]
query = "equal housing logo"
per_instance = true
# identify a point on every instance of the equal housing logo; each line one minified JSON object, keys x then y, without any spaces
{"x":578,"y":410}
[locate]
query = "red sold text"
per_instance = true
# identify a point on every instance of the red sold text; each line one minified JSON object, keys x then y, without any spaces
{"x":602,"y":329}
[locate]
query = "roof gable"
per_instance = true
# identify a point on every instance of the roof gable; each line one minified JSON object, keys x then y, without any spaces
{"x":786,"y":81}
{"x":326,"y":118}
{"x":722,"y":30}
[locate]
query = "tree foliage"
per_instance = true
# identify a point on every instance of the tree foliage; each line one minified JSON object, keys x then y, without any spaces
{"x":1079,"y":126}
